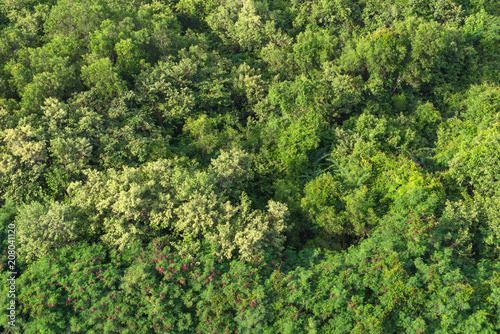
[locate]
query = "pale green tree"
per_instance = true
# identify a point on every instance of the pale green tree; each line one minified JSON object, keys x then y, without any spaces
{"x":42,"y":228}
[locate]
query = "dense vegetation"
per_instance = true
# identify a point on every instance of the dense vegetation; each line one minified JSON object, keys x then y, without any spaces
{"x":248,"y":166}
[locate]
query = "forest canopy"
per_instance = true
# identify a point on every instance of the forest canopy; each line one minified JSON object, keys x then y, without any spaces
{"x":248,"y":166}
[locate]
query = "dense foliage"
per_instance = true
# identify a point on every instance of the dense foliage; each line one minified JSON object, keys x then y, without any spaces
{"x":248,"y":166}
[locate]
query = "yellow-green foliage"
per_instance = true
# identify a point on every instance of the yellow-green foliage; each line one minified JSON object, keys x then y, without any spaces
{"x":123,"y":206}
{"x":135,"y":204}
{"x":22,"y":162}
{"x":233,"y":230}
{"x":232,"y":171}
{"x":43,"y":228}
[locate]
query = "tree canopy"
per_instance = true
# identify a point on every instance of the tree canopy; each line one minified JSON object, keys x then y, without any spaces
{"x":253,"y":166}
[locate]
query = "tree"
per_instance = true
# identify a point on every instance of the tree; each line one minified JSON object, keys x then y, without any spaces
{"x":43,"y":228}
